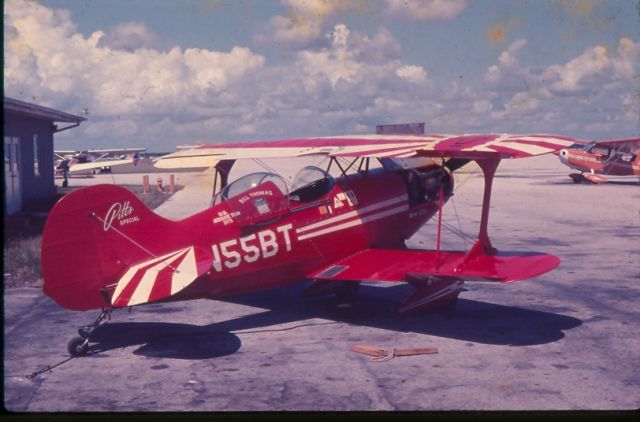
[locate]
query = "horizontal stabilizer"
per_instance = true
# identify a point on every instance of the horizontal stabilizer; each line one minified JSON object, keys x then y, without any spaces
{"x":396,"y":265}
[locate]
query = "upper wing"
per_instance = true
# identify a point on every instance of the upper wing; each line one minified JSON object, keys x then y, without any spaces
{"x":628,"y":145}
{"x":375,"y":146}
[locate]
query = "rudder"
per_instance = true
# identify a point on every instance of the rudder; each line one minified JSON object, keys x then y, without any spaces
{"x":91,"y":237}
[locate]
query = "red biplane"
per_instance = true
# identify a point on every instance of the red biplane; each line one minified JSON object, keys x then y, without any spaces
{"x":616,"y":157}
{"x":259,"y":233}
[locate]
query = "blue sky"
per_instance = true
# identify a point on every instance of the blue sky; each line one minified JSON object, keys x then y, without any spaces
{"x":162,"y":73}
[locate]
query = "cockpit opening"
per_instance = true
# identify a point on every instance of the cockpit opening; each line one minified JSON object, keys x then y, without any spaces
{"x":311,"y":183}
{"x":253,"y":199}
{"x":247,"y":183}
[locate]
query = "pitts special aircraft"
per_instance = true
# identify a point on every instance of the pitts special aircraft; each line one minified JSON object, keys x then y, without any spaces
{"x":259,"y":234}
{"x":616,"y":157}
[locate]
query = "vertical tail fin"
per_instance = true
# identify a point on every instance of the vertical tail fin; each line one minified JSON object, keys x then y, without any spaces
{"x":91,"y":237}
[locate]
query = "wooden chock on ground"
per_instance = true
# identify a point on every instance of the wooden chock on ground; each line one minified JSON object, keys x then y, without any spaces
{"x":380,"y":355}
{"x":415,"y":351}
{"x":365,"y":349}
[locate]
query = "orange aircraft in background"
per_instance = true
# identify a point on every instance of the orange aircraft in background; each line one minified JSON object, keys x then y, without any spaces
{"x":616,"y":157}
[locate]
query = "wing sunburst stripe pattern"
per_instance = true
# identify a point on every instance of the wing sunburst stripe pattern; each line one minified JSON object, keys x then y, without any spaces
{"x":460,"y":146}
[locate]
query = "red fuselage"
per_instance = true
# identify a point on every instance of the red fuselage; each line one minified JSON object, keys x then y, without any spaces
{"x":252,"y":239}
{"x":359,"y":212}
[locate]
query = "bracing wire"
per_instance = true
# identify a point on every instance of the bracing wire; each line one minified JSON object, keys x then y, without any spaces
{"x":458,"y":231}
{"x":468,"y":239}
{"x":464,"y":236}
{"x":274,"y":171}
{"x":147,"y":251}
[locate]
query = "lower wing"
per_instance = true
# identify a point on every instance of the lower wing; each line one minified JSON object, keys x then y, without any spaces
{"x":437,"y":276}
{"x":396,"y":265}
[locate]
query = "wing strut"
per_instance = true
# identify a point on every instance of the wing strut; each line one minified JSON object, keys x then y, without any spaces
{"x":221,"y":170}
{"x":440,"y":204}
{"x":483,"y":244}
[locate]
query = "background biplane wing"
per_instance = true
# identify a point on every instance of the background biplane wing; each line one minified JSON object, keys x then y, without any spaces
{"x":374,"y":146}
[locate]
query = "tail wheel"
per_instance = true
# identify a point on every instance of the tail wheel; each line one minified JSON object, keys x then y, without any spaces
{"x":78,"y":346}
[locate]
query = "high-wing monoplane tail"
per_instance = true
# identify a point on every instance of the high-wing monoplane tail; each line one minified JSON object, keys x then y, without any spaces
{"x":102,"y":248}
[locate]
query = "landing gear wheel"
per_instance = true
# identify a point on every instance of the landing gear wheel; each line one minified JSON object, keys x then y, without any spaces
{"x":78,"y":346}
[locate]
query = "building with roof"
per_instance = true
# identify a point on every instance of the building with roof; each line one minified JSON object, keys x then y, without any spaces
{"x":29,"y":152}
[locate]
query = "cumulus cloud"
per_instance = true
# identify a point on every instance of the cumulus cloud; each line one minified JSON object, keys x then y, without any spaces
{"x":590,"y":94}
{"x":47,"y":60}
{"x":414,"y":74}
{"x":508,"y":74}
{"x":145,"y":96}
{"x":347,"y":83}
{"x":306,"y":22}
{"x":357,"y":59}
{"x":348,"y":86}
{"x":129,"y":36}
{"x":382,"y":47}
{"x":424,"y":10}
{"x":578,"y":75}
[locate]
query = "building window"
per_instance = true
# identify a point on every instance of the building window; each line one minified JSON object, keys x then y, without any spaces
{"x":36,"y":156}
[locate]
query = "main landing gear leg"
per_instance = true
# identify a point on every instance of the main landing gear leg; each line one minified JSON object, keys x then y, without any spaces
{"x":78,"y":346}
{"x":346,"y":295}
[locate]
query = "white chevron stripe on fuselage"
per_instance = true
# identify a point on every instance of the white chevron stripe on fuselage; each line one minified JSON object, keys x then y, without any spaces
{"x":186,"y":272}
{"x":142,"y":291}
{"x":354,"y":213}
{"x":358,"y":221}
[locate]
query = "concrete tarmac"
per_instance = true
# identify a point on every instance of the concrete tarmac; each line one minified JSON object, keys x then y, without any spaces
{"x":569,"y":339}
